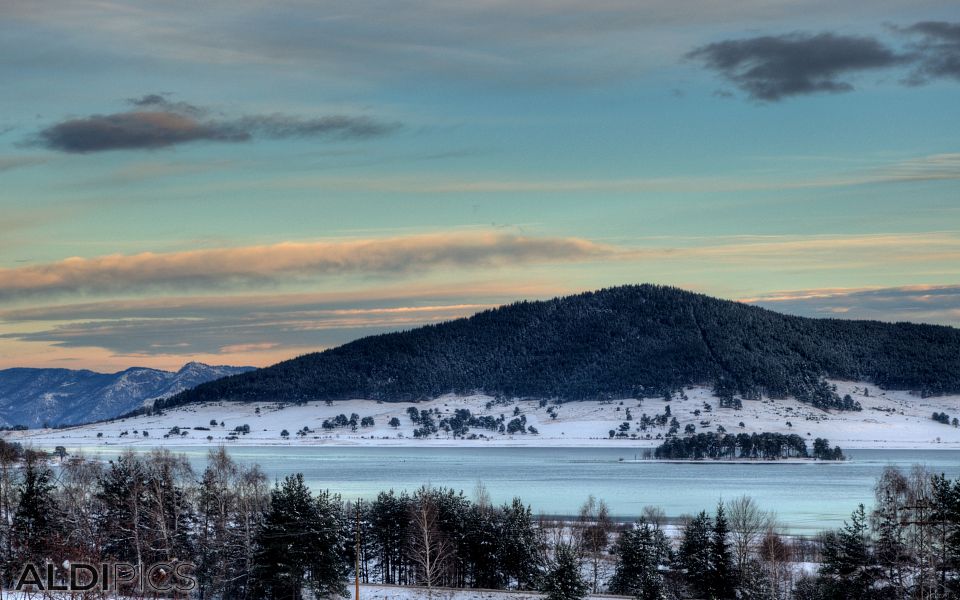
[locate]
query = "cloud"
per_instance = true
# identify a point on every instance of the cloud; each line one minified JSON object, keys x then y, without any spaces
{"x":134,"y":130}
{"x":292,"y":261}
{"x":282,"y":126}
{"x":934,"y":167}
{"x":158,"y":122}
{"x":163,"y":102}
{"x":938,"y":50}
{"x":771,"y":68}
{"x":257,"y":324}
{"x":8,"y":163}
{"x":918,"y":303}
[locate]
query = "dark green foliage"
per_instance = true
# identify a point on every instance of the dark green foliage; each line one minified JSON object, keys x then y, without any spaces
{"x":694,"y":554}
{"x":641,"y":552}
{"x":768,"y":446}
{"x":945,"y":496}
{"x":848,"y":569}
{"x":36,"y":522}
{"x":563,"y":580}
{"x":705,"y":557}
{"x":941,"y":417}
{"x":301,"y":544}
{"x":520,"y":545}
{"x":822,"y":450}
{"x":638,"y":341}
{"x":721,"y":575}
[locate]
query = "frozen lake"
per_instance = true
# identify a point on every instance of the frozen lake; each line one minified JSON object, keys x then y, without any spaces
{"x":806,"y":496}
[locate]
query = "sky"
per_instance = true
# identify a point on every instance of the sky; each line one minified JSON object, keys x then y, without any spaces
{"x":242,"y":182}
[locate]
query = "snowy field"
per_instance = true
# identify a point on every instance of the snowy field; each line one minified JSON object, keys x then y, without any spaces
{"x":889,"y":419}
{"x":386,"y":592}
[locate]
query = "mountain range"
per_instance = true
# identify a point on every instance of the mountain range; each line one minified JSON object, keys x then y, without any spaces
{"x":629,"y":341}
{"x":38,"y":397}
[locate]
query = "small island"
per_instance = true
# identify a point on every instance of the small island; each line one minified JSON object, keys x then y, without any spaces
{"x":745,"y":446}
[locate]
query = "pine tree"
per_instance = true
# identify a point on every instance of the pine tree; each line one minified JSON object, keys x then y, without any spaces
{"x":563,"y":580}
{"x":123,"y":518}
{"x":300,"y":544}
{"x":891,"y":549}
{"x":641,"y":551}
{"x":483,"y":546}
{"x":755,"y":583}
{"x":945,"y":496}
{"x":695,"y":553}
{"x":36,"y":521}
{"x":721,"y":577}
{"x":520,"y":545}
{"x":846,"y":560}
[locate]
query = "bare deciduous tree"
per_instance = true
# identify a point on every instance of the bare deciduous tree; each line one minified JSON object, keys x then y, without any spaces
{"x":748,"y":524}
{"x":593,"y":536}
{"x":430,"y":551}
{"x":655,"y":516}
{"x":777,"y":556}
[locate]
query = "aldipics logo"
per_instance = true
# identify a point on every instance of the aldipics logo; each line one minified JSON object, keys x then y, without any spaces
{"x":161,"y":577}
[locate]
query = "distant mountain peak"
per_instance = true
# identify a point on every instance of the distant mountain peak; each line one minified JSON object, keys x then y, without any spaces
{"x":35,"y":397}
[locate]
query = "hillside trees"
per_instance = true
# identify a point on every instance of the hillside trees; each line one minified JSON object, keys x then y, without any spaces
{"x":630,"y":341}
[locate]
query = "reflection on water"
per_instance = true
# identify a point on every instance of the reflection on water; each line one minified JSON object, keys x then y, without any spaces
{"x":806,"y":496}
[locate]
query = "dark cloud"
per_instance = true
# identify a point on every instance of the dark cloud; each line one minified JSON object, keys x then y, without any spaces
{"x":937,"y":50}
{"x":159,"y":122}
{"x":771,"y":68}
{"x":134,"y":130}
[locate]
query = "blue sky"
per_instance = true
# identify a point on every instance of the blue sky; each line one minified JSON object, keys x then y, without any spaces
{"x":243,"y":181}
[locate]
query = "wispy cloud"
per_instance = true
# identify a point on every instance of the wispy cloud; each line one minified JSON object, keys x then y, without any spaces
{"x":934,"y":167}
{"x":15,"y":162}
{"x":158,"y":122}
{"x":255,"y":325}
{"x":292,"y":260}
{"x":917,"y":303}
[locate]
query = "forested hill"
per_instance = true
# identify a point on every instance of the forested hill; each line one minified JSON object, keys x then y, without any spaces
{"x":626,"y":341}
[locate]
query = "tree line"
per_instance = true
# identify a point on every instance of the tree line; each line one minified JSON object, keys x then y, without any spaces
{"x":767,"y":446}
{"x":623,"y":342}
{"x":252,"y":540}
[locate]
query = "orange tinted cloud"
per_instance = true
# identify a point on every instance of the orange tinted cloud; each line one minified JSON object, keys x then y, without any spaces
{"x":290,"y":260}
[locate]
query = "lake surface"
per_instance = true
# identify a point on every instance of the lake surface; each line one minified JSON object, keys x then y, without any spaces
{"x":806,"y":496}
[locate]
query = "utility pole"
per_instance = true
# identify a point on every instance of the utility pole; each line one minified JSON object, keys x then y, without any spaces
{"x":356,"y":565}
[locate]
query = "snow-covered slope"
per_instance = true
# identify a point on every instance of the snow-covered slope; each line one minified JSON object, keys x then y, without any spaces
{"x":889,"y":419}
{"x":34,"y":397}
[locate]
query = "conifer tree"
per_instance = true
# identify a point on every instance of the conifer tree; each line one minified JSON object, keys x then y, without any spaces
{"x":695,"y":553}
{"x":641,"y":551}
{"x":721,"y":577}
{"x":300,"y":544}
{"x":847,"y":562}
{"x":36,"y":521}
{"x":520,"y":545}
{"x":563,"y":580}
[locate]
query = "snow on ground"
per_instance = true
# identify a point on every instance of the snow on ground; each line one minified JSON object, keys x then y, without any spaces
{"x":375,"y":592}
{"x":889,"y":419}
{"x":389,"y":592}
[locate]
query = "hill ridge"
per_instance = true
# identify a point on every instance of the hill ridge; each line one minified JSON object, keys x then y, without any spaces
{"x":638,"y":340}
